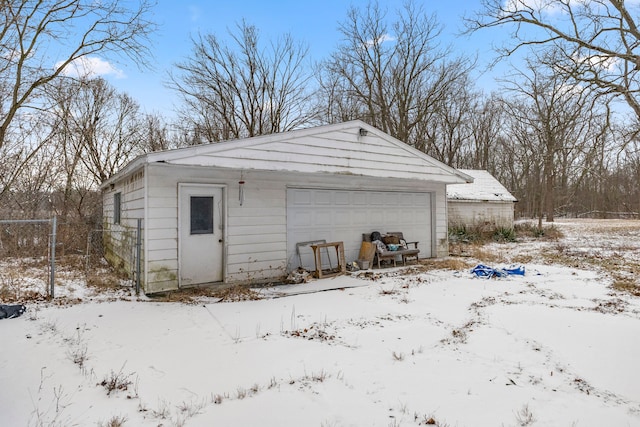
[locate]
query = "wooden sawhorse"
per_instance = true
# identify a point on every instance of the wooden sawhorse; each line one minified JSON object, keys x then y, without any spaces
{"x":317,"y":256}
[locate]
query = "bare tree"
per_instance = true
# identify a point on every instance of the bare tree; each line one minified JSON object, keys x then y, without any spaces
{"x":486,"y":124}
{"x":63,"y":93}
{"x":242,"y":89}
{"x":156,"y":135}
{"x":101,"y":128}
{"x":448,"y":133}
{"x":554,"y":125}
{"x":43,"y":40}
{"x":619,"y":185}
{"x":594,"y":42}
{"x":95,"y":130}
{"x":394,"y":78}
{"x":31,"y":175}
{"x":332,"y":101}
{"x":29,"y":27}
{"x":21,"y":149}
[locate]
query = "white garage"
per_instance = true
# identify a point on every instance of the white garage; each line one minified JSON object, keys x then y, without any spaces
{"x":234,"y":211}
{"x":343,"y":215}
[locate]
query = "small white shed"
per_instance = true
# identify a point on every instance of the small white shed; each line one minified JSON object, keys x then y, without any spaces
{"x":485,"y":201}
{"x":234,"y":211}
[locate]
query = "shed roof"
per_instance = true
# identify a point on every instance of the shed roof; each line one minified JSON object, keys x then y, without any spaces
{"x":483,"y":188}
{"x":350,"y":148}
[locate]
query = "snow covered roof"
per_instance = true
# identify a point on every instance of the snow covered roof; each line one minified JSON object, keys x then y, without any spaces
{"x":349,"y":148}
{"x":483,"y":188}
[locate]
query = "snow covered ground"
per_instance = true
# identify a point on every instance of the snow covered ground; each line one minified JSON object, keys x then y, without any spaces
{"x":394,"y":347}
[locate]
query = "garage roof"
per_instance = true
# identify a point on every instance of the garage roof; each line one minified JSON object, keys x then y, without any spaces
{"x":350,"y":148}
{"x":483,"y":188}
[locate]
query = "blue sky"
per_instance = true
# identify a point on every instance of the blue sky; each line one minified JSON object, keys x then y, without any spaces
{"x":312,"y":22}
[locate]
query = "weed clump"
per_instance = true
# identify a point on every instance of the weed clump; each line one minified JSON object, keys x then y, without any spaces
{"x":504,"y":234}
{"x":460,"y":235}
{"x":116,"y":421}
{"x":467,"y":234}
{"x":480,"y":234}
{"x":116,"y":381}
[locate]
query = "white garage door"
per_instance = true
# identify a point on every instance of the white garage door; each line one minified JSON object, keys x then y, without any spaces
{"x":344,"y":215}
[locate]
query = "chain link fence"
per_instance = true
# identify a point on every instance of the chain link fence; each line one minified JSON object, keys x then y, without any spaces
{"x":32,"y":250}
{"x":120,"y":248}
{"x":28,"y":244}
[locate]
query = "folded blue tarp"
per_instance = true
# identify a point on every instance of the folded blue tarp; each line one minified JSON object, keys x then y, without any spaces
{"x":481,"y":270}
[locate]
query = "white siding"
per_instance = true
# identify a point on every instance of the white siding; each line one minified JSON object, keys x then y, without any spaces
{"x":256,"y":233}
{"x":162,"y":232}
{"x":335,"y":149}
{"x":440,"y":245}
{"x":471,"y":213}
{"x":334,"y":152}
{"x":120,"y":238}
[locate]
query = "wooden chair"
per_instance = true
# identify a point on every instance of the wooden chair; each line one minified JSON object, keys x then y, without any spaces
{"x":409,"y":252}
{"x":392,"y":255}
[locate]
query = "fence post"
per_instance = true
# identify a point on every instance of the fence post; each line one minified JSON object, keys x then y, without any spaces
{"x":138,"y":253}
{"x":52,"y":252}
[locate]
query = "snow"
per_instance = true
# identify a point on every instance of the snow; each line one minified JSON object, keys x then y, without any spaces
{"x":483,"y":188}
{"x":392,"y":347}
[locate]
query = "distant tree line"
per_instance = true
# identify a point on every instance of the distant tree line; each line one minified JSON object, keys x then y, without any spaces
{"x":560,"y":131}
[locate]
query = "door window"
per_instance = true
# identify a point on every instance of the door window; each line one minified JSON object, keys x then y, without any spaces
{"x":201,"y":215}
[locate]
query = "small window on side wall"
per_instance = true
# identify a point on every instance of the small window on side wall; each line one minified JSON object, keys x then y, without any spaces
{"x":117,"y":207}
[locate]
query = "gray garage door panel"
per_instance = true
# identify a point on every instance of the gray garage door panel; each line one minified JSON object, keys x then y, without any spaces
{"x":343,"y":215}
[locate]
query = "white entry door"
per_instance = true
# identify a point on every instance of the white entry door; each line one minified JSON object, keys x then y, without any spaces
{"x":201,"y":233}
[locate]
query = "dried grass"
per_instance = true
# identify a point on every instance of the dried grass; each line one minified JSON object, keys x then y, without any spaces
{"x":106,"y":280}
{"x":116,"y":381}
{"x":522,"y":259}
{"x":17,"y":283}
{"x":487,"y":255}
{"x":477,"y":251}
{"x":236,"y":293}
{"x":192,"y":295}
{"x":116,"y":421}
{"x":530,"y":230}
{"x":625,"y":284}
{"x":185,"y":295}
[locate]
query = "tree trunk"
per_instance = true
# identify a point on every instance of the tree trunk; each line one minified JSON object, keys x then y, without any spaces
{"x":549,"y":196}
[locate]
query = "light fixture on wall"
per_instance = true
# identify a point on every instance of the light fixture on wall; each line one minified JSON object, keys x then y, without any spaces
{"x":363,"y":132}
{"x":241,"y":189}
